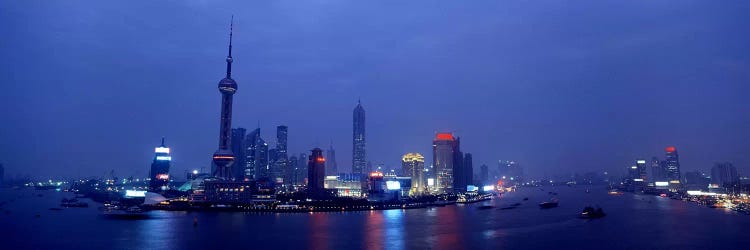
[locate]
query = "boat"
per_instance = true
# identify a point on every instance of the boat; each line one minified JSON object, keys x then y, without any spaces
{"x":526,"y":198}
{"x":128,"y":213}
{"x":591,"y":213}
{"x":549,"y":204}
{"x":73,"y":203}
{"x":614,"y":192}
{"x":515,"y":204}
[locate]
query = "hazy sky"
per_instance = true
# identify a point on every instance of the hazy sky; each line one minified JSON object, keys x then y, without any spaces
{"x":559,"y":86}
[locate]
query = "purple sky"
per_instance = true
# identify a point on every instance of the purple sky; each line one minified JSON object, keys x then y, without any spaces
{"x":560,"y":86}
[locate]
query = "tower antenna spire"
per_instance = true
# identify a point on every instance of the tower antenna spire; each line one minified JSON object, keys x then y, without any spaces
{"x":229,"y":57}
{"x":162,"y":141}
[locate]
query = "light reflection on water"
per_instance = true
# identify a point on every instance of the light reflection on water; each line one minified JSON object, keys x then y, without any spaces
{"x":679,"y":225}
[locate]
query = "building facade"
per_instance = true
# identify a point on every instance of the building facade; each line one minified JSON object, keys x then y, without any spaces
{"x":724,"y":174}
{"x":159,"y":173}
{"x":239,"y":150}
{"x":316,"y":173}
{"x":412,"y":165}
{"x":445,"y":151}
{"x":359,"y":145}
{"x":331,"y":167}
{"x":672,"y":165}
{"x":281,"y":158}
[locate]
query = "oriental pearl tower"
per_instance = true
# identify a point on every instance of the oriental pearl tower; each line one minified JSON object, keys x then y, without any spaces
{"x":223,"y":158}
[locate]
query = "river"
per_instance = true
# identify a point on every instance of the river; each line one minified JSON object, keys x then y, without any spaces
{"x":632,"y":221}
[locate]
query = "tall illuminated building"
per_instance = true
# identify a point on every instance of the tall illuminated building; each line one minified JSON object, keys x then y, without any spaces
{"x":658,"y":173}
{"x":331,"y":167}
{"x":262,"y":168}
{"x":223,"y":158}
{"x":251,"y":147}
{"x":292,"y":173}
{"x":445,"y":149}
{"x":316,"y":173}
{"x":281,"y":157}
{"x":412,"y":165}
{"x":239,"y":150}
{"x":159,"y":173}
{"x":672,"y":164}
{"x":359,"y":154}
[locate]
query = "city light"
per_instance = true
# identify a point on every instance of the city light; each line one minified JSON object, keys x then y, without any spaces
{"x":393,"y":185}
{"x":376,"y":174}
{"x":661,"y":183}
{"x":430,"y":181}
{"x":641,"y":162}
{"x":698,"y":192}
{"x":195,"y":171}
{"x":488,"y":188}
{"x":637,"y":179}
{"x":444,"y":136}
{"x":162,"y":150}
{"x":164,"y":158}
{"x":162,"y":176}
{"x":471,"y":188}
{"x":135,"y":193}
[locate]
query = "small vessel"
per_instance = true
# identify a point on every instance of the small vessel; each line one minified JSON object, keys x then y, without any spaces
{"x":526,"y":198}
{"x":117,"y":212}
{"x":73,"y":203}
{"x":485,"y":207}
{"x":591,"y":213}
{"x":549,"y":204}
{"x":515,"y":204}
{"x":614,"y":192}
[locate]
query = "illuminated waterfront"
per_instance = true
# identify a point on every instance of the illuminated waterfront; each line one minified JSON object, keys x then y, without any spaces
{"x":631,"y":220}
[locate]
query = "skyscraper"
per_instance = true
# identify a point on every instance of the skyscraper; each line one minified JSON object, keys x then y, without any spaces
{"x":251,"y":144}
{"x":724,"y":174}
{"x":459,"y":172}
{"x":657,"y":170}
{"x":468,"y":170}
{"x":359,"y":154}
{"x":159,"y":173}
{"x":302,"y":172}
{"x":444,"y":150}
{"x":672,"y":163}
{"x":280,"y":165}
{"x":331,"y":167}
{"x":223,"y":157}
{"x":239,"y":150}
{"x":316,"y":173}
{"x":292,"y":174}
{"x":262,"y":159}
{"x":641,"y":178}
{"x":412,"y":165}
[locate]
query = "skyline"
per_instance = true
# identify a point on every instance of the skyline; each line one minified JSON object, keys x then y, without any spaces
{"x":167,"y":89}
